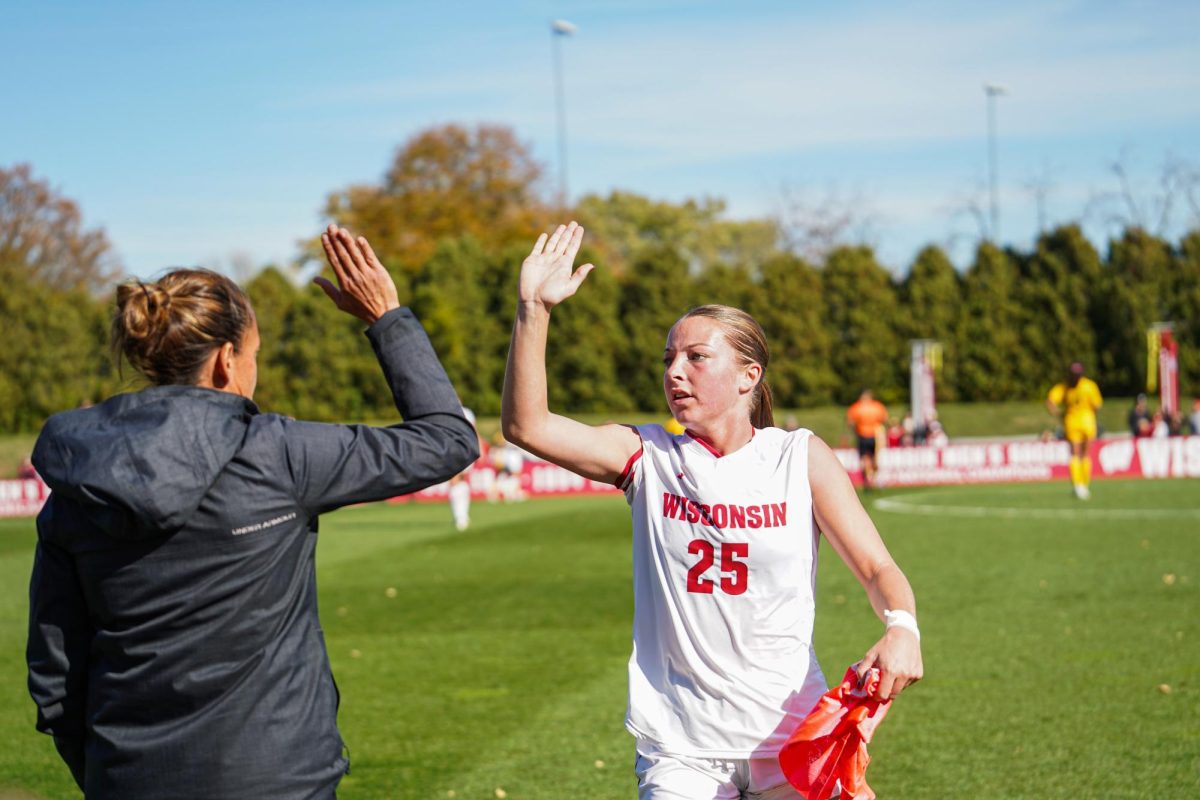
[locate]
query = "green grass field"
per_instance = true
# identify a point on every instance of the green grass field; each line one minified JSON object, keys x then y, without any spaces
{"x":1051,"y":631}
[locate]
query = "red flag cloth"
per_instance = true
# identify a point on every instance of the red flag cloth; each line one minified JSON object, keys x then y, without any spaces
{"x":830,"y":746}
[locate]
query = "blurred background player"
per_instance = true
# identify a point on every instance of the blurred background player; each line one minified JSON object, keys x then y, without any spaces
{"x":867,"y":417}
{"x":460,"y":484}
{"x":1077,"y":399}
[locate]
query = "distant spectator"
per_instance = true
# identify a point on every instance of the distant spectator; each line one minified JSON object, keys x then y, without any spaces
{"x":895,"y":433}
{"x":1174,"y":424}
{"x":1161,"y":429}
{"x":26,"y":471}
{"x":936,"y":436}
{"x":1195,"y":418}
{"x":1141,"y":424}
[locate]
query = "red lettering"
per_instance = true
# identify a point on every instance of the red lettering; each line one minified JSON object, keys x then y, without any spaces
{"x":737,"y":517}
{"x":729,"y":563}
{"x":693,"y":511}
{"x":754,"y":517}
{"x":671,"y":504}
{"x":695,"y":583}
{"x":778,"y":514}
{"x":706,"y":514}
{"x":720,"y":514}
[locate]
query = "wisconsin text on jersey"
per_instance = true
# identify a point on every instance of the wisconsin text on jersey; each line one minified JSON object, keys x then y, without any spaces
{"x":725,"y":515}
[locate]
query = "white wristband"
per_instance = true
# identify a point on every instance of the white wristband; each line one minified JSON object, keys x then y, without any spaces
{"x":901,"y":619}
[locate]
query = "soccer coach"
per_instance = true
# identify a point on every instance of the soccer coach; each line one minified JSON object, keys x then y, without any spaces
{"x":174,"y":647}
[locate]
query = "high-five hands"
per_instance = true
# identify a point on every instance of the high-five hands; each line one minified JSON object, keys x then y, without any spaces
{"x":546,"y":276}
{"x":365,"y":289}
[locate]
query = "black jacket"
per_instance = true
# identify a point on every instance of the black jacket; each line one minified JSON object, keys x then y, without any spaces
{"x":174,"y":648}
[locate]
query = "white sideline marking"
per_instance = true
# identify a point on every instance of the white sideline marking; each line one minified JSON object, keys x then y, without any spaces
{"x":897,"y":506}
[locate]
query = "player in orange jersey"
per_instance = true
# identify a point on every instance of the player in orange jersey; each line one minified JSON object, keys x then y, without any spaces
{"x":867,"y":416}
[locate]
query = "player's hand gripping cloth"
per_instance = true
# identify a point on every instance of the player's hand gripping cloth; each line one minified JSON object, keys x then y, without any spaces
{"x":830,"y":746}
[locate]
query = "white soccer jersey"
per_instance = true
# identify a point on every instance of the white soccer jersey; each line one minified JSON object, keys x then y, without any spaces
{"x":724,"y":571}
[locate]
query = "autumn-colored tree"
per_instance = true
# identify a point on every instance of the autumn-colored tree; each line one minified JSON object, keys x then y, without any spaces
{"x":623,"y":224}
{"x":447,"y":181}
{"x":42,"y":234}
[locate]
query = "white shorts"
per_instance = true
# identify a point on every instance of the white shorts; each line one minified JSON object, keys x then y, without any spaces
{"x":665,"y":776}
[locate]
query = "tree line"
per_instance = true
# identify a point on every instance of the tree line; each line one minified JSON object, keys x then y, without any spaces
{"x":458,"y":211}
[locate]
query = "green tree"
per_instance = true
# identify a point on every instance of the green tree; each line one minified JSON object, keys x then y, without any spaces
{"x":931,"y":300}
{"x":1135,"y":291}
{"x":55,"y":355}
{"x":585,"y":345}
{"x":329,"y":371}
{"x":1184,"y":309}
{"x":860,"y":312}
{"x":991,"y":362}
{"x":1055,"y":296}
{"x":790,"y":312}
{"x":272,"y":295}
{"x":655,"y":292}
{"x":450,"y":300}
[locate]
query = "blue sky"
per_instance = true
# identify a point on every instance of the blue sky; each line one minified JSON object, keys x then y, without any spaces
{"x":213,"y":132}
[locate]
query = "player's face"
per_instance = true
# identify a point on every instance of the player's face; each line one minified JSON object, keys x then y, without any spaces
{"x":702,"y":376}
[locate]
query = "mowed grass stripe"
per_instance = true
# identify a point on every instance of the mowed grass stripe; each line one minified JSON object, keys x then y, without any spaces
{"x":486,"y":631}
{"x":1045,"y":645}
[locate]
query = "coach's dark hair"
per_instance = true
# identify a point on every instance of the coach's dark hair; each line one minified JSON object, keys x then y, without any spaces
{"x":747,"y":338}
{"x":168,"y":329}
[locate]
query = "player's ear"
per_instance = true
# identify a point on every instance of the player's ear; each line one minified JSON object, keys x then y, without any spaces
{"x":750,"y":377}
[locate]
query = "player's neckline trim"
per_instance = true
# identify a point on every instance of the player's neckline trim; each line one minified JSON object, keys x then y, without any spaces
{"x":707,"y":445}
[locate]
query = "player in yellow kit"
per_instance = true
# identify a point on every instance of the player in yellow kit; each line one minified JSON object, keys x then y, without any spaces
{"x":1077,"y":399}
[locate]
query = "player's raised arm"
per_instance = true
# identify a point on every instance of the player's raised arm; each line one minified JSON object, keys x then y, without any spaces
{"x":547,"y":278}
{"x":853,"y":535}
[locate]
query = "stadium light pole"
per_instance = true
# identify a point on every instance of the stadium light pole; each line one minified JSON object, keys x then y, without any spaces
{"x":991,"y":91}
{"x":560,"y":28}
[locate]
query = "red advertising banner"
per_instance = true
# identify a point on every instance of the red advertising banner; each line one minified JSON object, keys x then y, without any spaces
{"x":1003,"y":462}
{"x":22,"y":498}
{"x":955,"y":463}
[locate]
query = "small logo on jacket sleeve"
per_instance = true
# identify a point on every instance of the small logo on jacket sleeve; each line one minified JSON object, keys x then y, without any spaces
{"x":258,"y":526}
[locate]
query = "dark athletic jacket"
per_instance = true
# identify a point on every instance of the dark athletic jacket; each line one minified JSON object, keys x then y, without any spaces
{"x":174,"y":648}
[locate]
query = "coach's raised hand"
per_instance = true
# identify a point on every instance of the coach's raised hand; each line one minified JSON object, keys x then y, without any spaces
{"x":546,"y":275}
{"x":365,"y":289}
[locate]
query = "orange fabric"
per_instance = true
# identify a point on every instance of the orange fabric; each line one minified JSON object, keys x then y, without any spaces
{"x":866,"y":416}
{"x":831,"y":743}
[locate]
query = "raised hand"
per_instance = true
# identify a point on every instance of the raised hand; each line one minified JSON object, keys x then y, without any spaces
{"x":546,"y":275}
{"x":365,"y":289}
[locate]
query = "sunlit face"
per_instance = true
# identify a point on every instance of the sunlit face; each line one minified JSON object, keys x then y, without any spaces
{"x":703,"y":377}
{"x":244,"y":377}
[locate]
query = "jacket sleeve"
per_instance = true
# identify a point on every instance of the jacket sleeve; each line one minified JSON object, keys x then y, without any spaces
{"x":57,"y":652}
{"x":335,"y":465}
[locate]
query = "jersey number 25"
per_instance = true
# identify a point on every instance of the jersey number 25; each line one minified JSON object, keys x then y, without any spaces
{"x":734,"y":574}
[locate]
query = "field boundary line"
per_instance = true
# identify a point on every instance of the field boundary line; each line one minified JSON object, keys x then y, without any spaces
{"x":898,"y":506}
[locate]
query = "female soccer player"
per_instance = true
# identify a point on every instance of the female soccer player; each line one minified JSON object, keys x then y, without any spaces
{"x":174,"y":646}
{"x":724,"y":544}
